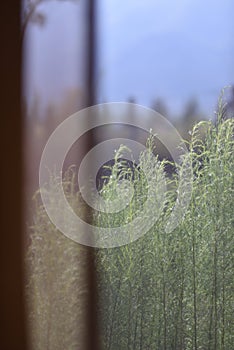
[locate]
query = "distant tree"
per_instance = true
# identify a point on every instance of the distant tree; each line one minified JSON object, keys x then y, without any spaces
{"x":191,"y":110}
{"x":190,"y":116}
{"x":32,"y":14}
{"x":133,"y":131}
{"x":229,"y":109}
{"x":160,"y":106}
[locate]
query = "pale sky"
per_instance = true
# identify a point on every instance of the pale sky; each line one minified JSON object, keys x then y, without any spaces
{"x":175,"y":50}
{"x":154,"y":48}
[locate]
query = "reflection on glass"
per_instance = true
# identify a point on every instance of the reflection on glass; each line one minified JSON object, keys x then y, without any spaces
{"x":55,"y":49}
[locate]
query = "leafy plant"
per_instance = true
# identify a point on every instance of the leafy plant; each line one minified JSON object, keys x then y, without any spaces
{"x":169,"y":291}
{"x":174,"y":291}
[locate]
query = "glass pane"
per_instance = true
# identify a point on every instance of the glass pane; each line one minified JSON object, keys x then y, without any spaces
{"x":170,"y":289}
{"x":55,"y":86}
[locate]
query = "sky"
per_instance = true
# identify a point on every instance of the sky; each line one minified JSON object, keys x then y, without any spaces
{"x":174,"y":50}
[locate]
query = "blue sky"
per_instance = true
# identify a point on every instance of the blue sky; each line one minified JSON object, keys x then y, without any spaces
{"x":175,"y":50}
{"x":155,"y":49}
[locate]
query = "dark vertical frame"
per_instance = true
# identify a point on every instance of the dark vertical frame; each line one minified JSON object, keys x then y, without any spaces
{"x":12,"y":316}
{"x":91,"y":47}
{"x":12,"y":308}
{"x":91,"y":100}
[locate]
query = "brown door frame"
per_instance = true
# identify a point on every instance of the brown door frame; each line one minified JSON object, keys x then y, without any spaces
{"x":12,"y":307}
{"x":12,"y":314}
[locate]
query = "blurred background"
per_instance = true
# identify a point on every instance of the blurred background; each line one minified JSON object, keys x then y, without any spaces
{"x":174,"y":58}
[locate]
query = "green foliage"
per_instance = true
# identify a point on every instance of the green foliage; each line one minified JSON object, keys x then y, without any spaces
{"x":175,"y":290}
{"x":169,"y":291}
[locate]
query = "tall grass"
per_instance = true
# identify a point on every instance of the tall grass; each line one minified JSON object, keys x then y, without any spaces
{"x":57,"y":284}
{"x":175,"y":290}
{"x":169,"y":291}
